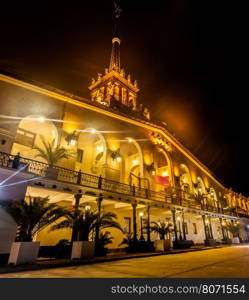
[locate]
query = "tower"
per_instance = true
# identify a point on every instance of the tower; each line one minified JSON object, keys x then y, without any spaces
{"x":115,"y":88}
{"x":114,"y":85}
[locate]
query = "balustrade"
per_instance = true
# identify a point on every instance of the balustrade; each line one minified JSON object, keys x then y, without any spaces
{"x":174,"y":196}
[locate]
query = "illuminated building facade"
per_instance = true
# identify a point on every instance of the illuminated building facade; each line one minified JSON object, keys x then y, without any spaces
{"x":123,"y":158}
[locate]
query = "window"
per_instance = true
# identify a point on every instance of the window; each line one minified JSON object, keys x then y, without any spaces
{"x":24,"y":137}
{"x":127,"y":225}
{"x":185,"y":227}
{"x":80,"y":153}
{"x":195,"y":228}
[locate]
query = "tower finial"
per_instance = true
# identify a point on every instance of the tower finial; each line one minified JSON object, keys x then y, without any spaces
{"x":115,"y":54}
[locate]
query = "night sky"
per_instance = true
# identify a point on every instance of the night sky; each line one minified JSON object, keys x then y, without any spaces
{"x":188,"y":57}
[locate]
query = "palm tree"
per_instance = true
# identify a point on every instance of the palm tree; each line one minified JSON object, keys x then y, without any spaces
{"x":105,"y":238}
{"x":233,"y":228}
{"x":199,"y":198}
{"x":85,"y":222}
{"x":52,"y":153}
{"x":231,"y":209}
{"x":162,"y":228}
{"x":33,"y":215}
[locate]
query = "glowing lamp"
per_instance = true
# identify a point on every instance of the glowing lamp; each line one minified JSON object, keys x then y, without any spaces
{"x":129,"y":140}
{"x":141,"y":214}
{"x":165,"y":173}
{"x":119,"y":159}
{"x":72,"y":142}
{"x":41,"y":119}
{"x":87,"y":207}
{"x":100,"y":148}
{"x":178,"y":218}
{"x":153,"y":173}
{"x":93,"y":131}
{"x":207,"y":222}
{"x":135,"y":162}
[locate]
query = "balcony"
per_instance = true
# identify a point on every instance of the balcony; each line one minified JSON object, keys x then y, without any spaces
{"x":174,"y":197}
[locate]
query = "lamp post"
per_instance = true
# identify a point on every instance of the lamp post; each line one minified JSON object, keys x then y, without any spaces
{"x":179,"y":220}
{"x":141,"y":225}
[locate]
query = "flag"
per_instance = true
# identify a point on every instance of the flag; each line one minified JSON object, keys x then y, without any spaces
{"x":163,"y":180}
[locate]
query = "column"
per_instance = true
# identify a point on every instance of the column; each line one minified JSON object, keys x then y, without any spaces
{"x":174,"y":223}
{"x":99,"y":202}
{"x":77,"y":198}
{"x":134,"y":211}
{"x":183,"y":227}
{"x":148,"y":223}
{"x":211,"y":230}
{"x":222,"y":229}
{"x":205,"y":227}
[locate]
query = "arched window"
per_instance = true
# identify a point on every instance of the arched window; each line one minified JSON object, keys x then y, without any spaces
{"x":212,"y":198}
{"x":91,"y":152}
{"x":29,"y":133}
{"x":186,"y":183}
{"x":132,"y":163}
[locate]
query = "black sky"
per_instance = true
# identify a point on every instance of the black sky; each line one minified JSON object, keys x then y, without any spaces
{"x":188,"y":57}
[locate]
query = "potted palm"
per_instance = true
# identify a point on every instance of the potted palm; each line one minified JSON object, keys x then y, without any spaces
{"x":234,"y":230}
{"x":52,"y":154}
{"x":135,"y":245}
{"x":85,"y":222}
{"x":163,"y":229}
{"x":31,"y":216}
{"x":104,"y":240}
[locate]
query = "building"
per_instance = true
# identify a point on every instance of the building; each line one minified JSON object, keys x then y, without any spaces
{"x":125,"y":160}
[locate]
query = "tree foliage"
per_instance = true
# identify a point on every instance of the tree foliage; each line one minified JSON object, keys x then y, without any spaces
{"x":32,"y":215}
{"x":51,"y":152}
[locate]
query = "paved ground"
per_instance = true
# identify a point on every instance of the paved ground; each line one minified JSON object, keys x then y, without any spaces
{"x":222,"y":262}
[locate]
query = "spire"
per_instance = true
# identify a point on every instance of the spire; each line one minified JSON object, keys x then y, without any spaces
{"x":115,"y":54}
{"x":115,"y":89}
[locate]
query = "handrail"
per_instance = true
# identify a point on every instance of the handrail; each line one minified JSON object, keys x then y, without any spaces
{"x":172,"y":196}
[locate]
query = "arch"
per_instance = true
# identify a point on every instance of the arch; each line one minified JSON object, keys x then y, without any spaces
{"x":162,"y":167}
{"x":91,"y":152}
{"x":212,"y":197}
{"x":186,"y":183}
{"x":139,"y":150}
{"x":201,"y":186}
{"x":29,"y":133}
{"x":131,"y":168}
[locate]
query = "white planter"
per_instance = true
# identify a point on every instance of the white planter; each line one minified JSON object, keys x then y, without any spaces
{"x":162,"y":245}
{"x":82,"y":249}
{"x":23,"y":252}
{"x":235,"y":240}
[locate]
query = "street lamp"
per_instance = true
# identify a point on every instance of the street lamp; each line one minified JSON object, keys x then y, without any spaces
{"x":87,"y":207}
{"x":141,"y":224}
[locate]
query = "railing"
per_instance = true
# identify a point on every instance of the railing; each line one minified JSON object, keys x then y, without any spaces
{"x":173,"y":196}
